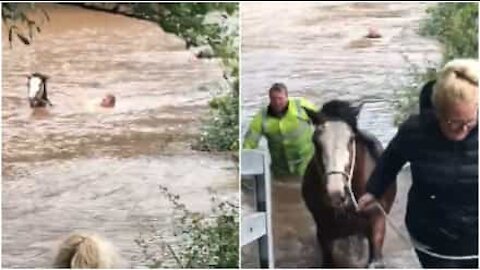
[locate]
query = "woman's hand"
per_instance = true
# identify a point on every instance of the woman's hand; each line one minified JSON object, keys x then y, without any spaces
{"x":367,"y":203}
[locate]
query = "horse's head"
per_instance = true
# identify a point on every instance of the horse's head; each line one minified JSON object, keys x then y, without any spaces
{"x":334,"y":140}
{"x":37,"y":90}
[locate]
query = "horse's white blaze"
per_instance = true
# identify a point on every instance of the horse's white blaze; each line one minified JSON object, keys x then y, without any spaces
{"x":335,"y":139}
{"x":335,"y":184}
{"x":35,"y":86}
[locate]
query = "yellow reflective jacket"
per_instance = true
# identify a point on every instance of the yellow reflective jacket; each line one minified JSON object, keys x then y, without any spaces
{"x":289,"y":137}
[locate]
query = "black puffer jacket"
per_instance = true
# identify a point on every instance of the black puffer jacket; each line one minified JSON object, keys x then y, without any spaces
{"x":442,"y":208}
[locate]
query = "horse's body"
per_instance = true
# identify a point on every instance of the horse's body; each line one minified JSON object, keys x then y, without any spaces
{"x":347,"y":238}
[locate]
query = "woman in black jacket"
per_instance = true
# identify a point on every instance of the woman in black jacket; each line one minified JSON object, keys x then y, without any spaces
{"x":441,"y":145}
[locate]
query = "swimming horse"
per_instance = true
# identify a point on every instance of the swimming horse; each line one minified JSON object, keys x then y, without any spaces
{"x":335,"y":178}
{"x":37,"y":90}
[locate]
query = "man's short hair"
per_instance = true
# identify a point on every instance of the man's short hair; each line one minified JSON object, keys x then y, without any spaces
{"x":278,"y":87}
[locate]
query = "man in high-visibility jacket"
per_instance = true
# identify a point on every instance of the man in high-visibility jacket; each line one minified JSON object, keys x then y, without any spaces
{"x":288,"y":131}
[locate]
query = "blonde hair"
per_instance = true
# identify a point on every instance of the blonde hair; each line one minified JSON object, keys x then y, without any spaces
{"x":457,"y":81}
{"x":84,"y":250}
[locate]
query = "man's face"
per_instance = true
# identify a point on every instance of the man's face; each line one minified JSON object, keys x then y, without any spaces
{"x":458,"y":120}
{"x":278,"y":100}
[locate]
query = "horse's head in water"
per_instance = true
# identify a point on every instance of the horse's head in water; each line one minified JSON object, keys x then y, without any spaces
{"x":37,"y":90}
{"x":334,"y":140}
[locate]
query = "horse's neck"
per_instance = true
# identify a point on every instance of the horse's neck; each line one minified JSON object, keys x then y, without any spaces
{"x":364,"y":165}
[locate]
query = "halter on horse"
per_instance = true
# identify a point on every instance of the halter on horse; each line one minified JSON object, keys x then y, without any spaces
{"x":37,"y":90}
{"x":338,"y":172}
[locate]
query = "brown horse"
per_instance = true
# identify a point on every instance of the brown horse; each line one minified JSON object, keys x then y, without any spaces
{"x":343,"y":161}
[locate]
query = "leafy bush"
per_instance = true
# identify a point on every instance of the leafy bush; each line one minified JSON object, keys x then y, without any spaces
{"x":406,"y":101}
{"x":455,"y":25}
{"x":220,"y":131}
{"x":19,"y":24}
{"x":199,"y":240}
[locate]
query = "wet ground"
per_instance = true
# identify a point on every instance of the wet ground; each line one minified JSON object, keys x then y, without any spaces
{"x":319,"y":51}
{"x":76,"y":166}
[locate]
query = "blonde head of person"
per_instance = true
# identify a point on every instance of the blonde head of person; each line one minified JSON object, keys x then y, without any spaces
{"x":86,"y":250}
{"x":455,"y":98}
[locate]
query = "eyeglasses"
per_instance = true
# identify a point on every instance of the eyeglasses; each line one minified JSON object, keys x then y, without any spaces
{"x":460,"y":124}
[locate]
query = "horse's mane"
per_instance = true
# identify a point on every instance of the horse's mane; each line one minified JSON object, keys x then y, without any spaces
{"x":40,"y":75}
{"x":342,"y":111}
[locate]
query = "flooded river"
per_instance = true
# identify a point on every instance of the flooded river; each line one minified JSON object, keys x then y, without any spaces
{"x":319,"y":51}
{"x":77,"y":166}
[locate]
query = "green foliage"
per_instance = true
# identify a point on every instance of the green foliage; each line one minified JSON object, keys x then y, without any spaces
{"x":15,"y":17}
{"x":406,"y":100}
{"x":220,"y":131}
{"x":455,"y":25}
{"x":187,"y":21}
{"x":200,"y":240}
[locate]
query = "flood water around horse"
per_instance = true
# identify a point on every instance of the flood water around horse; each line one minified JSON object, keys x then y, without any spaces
{"x":77,"y":166}
{"x":319,"y":51}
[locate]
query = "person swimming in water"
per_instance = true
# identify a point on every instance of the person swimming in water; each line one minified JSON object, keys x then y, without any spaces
{"x":108,"y":101}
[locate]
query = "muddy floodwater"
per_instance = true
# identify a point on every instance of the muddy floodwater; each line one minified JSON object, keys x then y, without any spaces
{"x":76,"y":166}
{"x":319,"y":51}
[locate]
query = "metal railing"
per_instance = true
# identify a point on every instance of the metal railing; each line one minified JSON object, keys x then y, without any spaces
{"x":257,"y":226}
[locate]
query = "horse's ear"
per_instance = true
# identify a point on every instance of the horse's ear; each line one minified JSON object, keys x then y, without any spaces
{"x":356,"y":109}
{"x":313,"y":115}
{"x":44,"y":77}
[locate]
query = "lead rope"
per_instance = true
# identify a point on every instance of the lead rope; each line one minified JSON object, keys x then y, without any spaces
{"x":409,"y":240}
